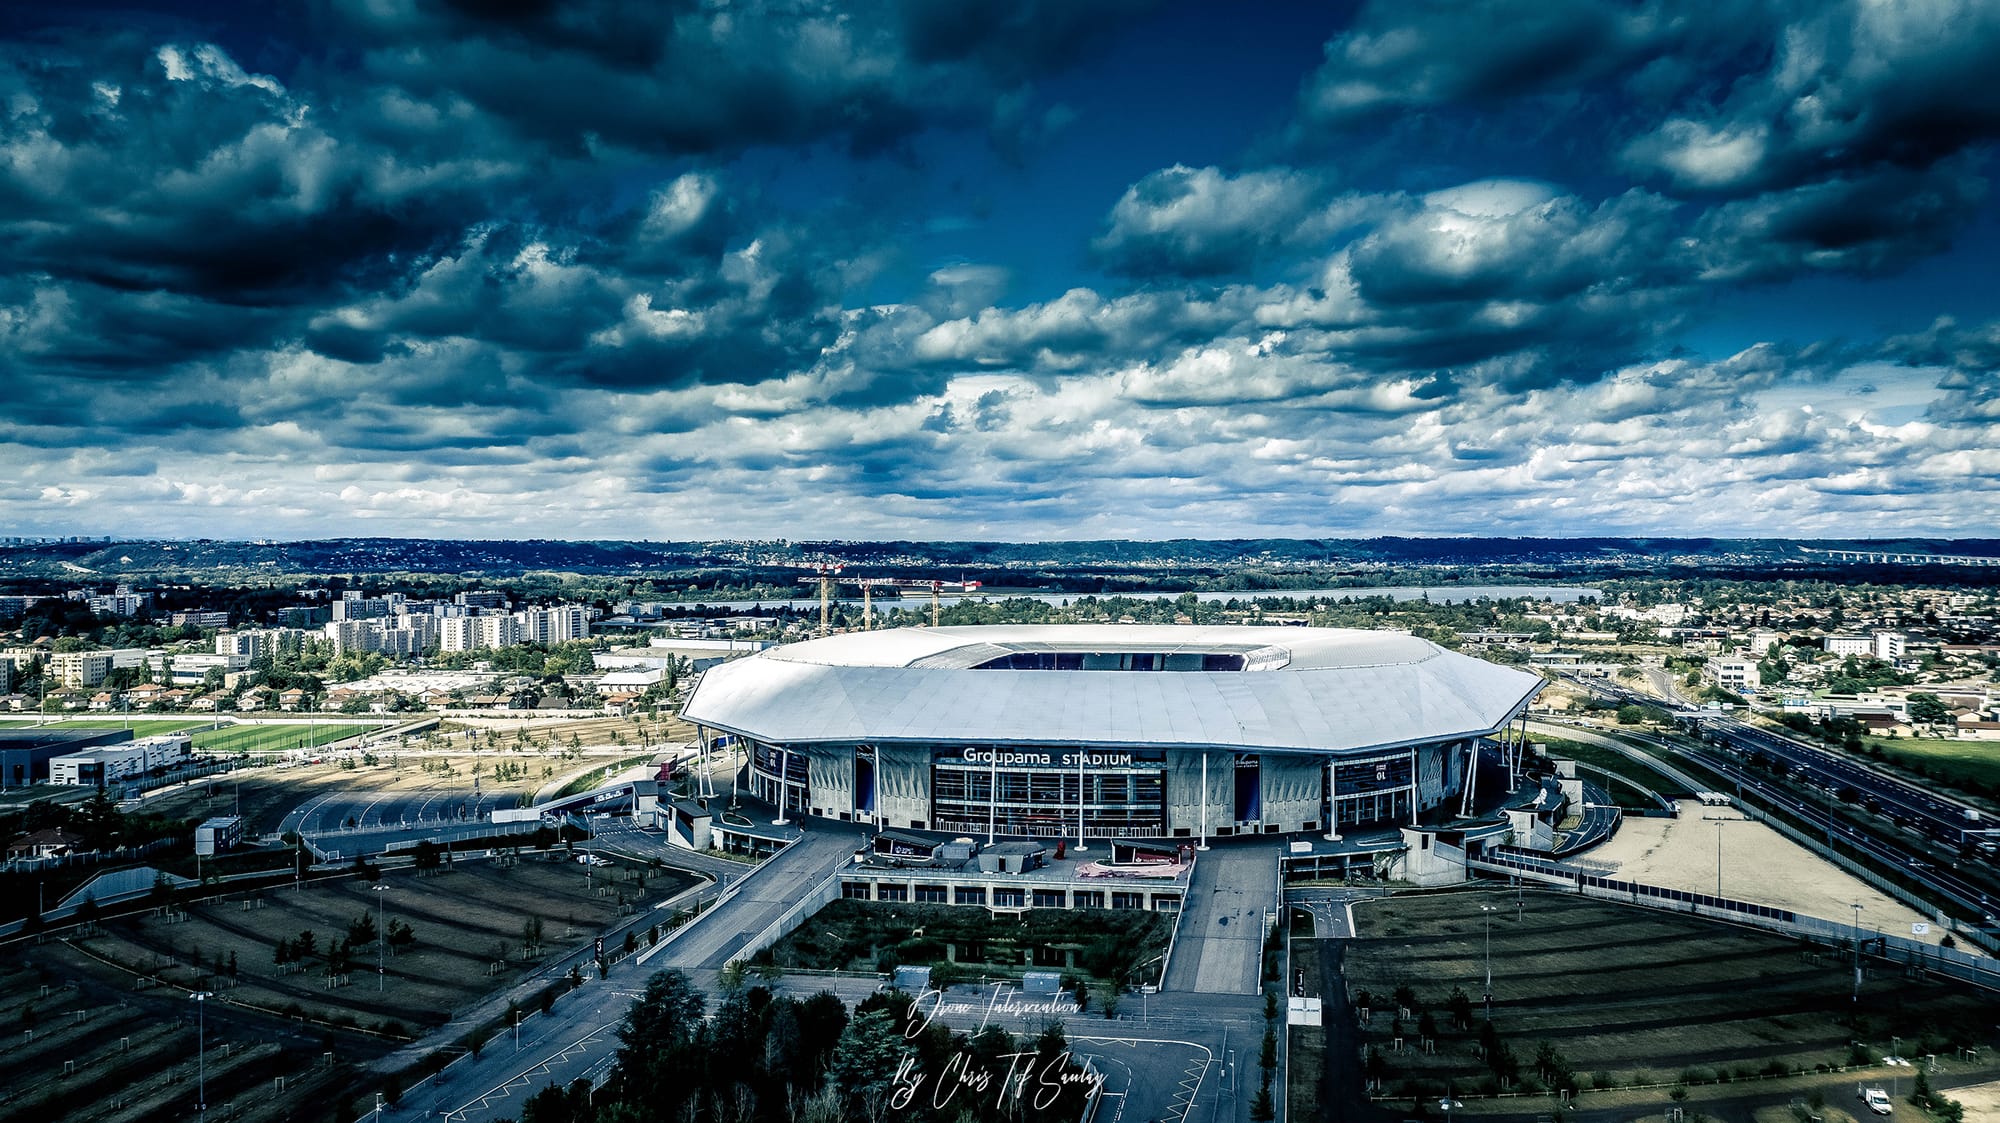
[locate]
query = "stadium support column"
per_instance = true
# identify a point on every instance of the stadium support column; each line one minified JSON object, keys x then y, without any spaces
{"x":992,"y":793}
{"x":784,"y":779}
{"x":1203,"y":845}
{"x":1416,"y":785}
{"x":1471,"y":801}
{"x":1332,"y":800}
{"x":1080,"y":785}
{"x":1524,"y":737}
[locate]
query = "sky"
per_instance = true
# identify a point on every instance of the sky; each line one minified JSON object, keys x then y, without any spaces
{"x":1050,"y":269}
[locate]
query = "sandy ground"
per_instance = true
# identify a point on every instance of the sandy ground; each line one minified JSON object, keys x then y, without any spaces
{"x":1758,"y":865}
{"x":1981,"y":1101}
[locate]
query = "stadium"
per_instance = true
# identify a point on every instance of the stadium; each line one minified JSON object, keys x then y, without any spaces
{"x":1110,"y":731}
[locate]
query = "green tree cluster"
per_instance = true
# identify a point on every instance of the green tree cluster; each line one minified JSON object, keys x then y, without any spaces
{"x":762,"y":1058}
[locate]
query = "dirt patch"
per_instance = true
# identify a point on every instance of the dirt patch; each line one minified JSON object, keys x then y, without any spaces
{"x":1759,"y":865}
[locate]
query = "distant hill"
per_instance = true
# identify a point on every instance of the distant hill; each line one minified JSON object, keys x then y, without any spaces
{"x":505,"y":558}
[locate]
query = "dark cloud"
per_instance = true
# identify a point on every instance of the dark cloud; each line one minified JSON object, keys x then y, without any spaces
{"x":598,"y":266}
{"x":1870,"y":222}
{"x":1404,"y":55}
{"x":687,"y":77}
{"x":1848,"y":87}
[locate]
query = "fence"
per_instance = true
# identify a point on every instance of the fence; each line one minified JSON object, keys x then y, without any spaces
{"x":1957,"y":964}
{"x":816,"y":898}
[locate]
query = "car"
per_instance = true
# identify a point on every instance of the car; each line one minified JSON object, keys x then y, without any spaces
{"x":1877,"y":1101}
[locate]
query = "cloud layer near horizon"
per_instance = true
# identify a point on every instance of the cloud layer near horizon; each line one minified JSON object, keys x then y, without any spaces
{"x":631,"y":270}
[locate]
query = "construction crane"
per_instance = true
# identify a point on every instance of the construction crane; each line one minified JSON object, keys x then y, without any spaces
{"x":826,"y":575}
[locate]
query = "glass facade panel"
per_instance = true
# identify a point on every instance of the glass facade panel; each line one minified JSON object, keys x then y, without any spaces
{"x":1124,"y":793}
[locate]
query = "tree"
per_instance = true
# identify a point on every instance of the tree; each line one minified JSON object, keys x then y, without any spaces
{"x":426,"y":856}
{"x":865,"y":1060}
{"x":655,"y":1054}
{"x":1929,"y":711}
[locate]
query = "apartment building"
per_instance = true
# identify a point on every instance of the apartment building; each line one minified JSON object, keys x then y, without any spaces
{"x":80,"y":668}
{"x":1739,"y":675}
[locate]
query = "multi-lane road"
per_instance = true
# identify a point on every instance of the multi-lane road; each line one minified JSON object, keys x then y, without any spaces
{"x":1941,"y":817}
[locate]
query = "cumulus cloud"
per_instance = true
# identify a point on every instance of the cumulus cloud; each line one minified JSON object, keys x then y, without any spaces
{"x":1197,"y":221}
{"x":615,"y":268}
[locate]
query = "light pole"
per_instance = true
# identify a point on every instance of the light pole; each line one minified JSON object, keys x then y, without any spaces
{"x":1486,"y":912}
{"x":1718,"y":857}
{"x":381,"y":940}
{"x":1857,"y":951}
{"x":201,"y":998}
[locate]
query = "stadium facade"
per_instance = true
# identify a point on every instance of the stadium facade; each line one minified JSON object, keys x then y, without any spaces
{"x":1110,"y":731}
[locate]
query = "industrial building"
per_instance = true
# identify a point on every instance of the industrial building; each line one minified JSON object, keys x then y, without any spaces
{"x":25,"y":753}
{"x":101,"y":767}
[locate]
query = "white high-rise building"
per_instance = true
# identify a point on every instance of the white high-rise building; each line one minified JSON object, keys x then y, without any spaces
{"x":556,"y":624}
{"x":354,"y":635}
{"x":1889,"y":645}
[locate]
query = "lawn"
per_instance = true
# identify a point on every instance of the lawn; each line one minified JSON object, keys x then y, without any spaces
{"x":1598,"y":759}
{"x":1622,"y":996}
{"x":140,"y":726}
{"x":1969,"y":765}
{"x":275,"y":738}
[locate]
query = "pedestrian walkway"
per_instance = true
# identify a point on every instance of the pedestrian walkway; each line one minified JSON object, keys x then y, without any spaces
{"x":1219,"y":948}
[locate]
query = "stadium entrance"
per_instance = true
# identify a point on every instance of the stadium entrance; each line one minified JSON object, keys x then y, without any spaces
{"x":1124,"y":793}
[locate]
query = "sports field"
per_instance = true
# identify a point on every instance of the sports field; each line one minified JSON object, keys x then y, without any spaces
{"x":275,"y":738}
{"x":141,"y":727}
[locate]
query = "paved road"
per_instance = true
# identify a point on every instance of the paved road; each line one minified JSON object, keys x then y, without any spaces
{"x":578,"y":1039}
{"x":1219,"y":948}
{"x":756,"y":903}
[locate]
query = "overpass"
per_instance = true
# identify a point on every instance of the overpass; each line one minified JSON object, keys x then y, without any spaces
{"x":1899,"y":557}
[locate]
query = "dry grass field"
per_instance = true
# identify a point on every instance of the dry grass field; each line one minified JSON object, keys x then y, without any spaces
{"x":1627,"y":995}
{"x":133,"y":976}
{"x":1758,"y":865}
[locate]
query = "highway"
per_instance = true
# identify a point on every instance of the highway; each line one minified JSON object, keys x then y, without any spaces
{"x":1938,"y":816}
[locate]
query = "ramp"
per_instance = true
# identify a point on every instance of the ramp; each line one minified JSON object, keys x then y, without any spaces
{"x":1220,"y":947}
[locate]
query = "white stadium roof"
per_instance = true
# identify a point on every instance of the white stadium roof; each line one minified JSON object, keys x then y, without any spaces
{"x":1302,"y":689}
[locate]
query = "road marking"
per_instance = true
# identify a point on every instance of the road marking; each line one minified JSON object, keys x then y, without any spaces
{"x":525,"y":1077}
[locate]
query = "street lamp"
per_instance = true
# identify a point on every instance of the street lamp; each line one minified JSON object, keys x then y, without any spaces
{"x":1718,"y":857}
{"x":201,"y":998}
{"x":1857,"y":951}
{"x":1487,"y":915}
{"x":381,"y":939}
